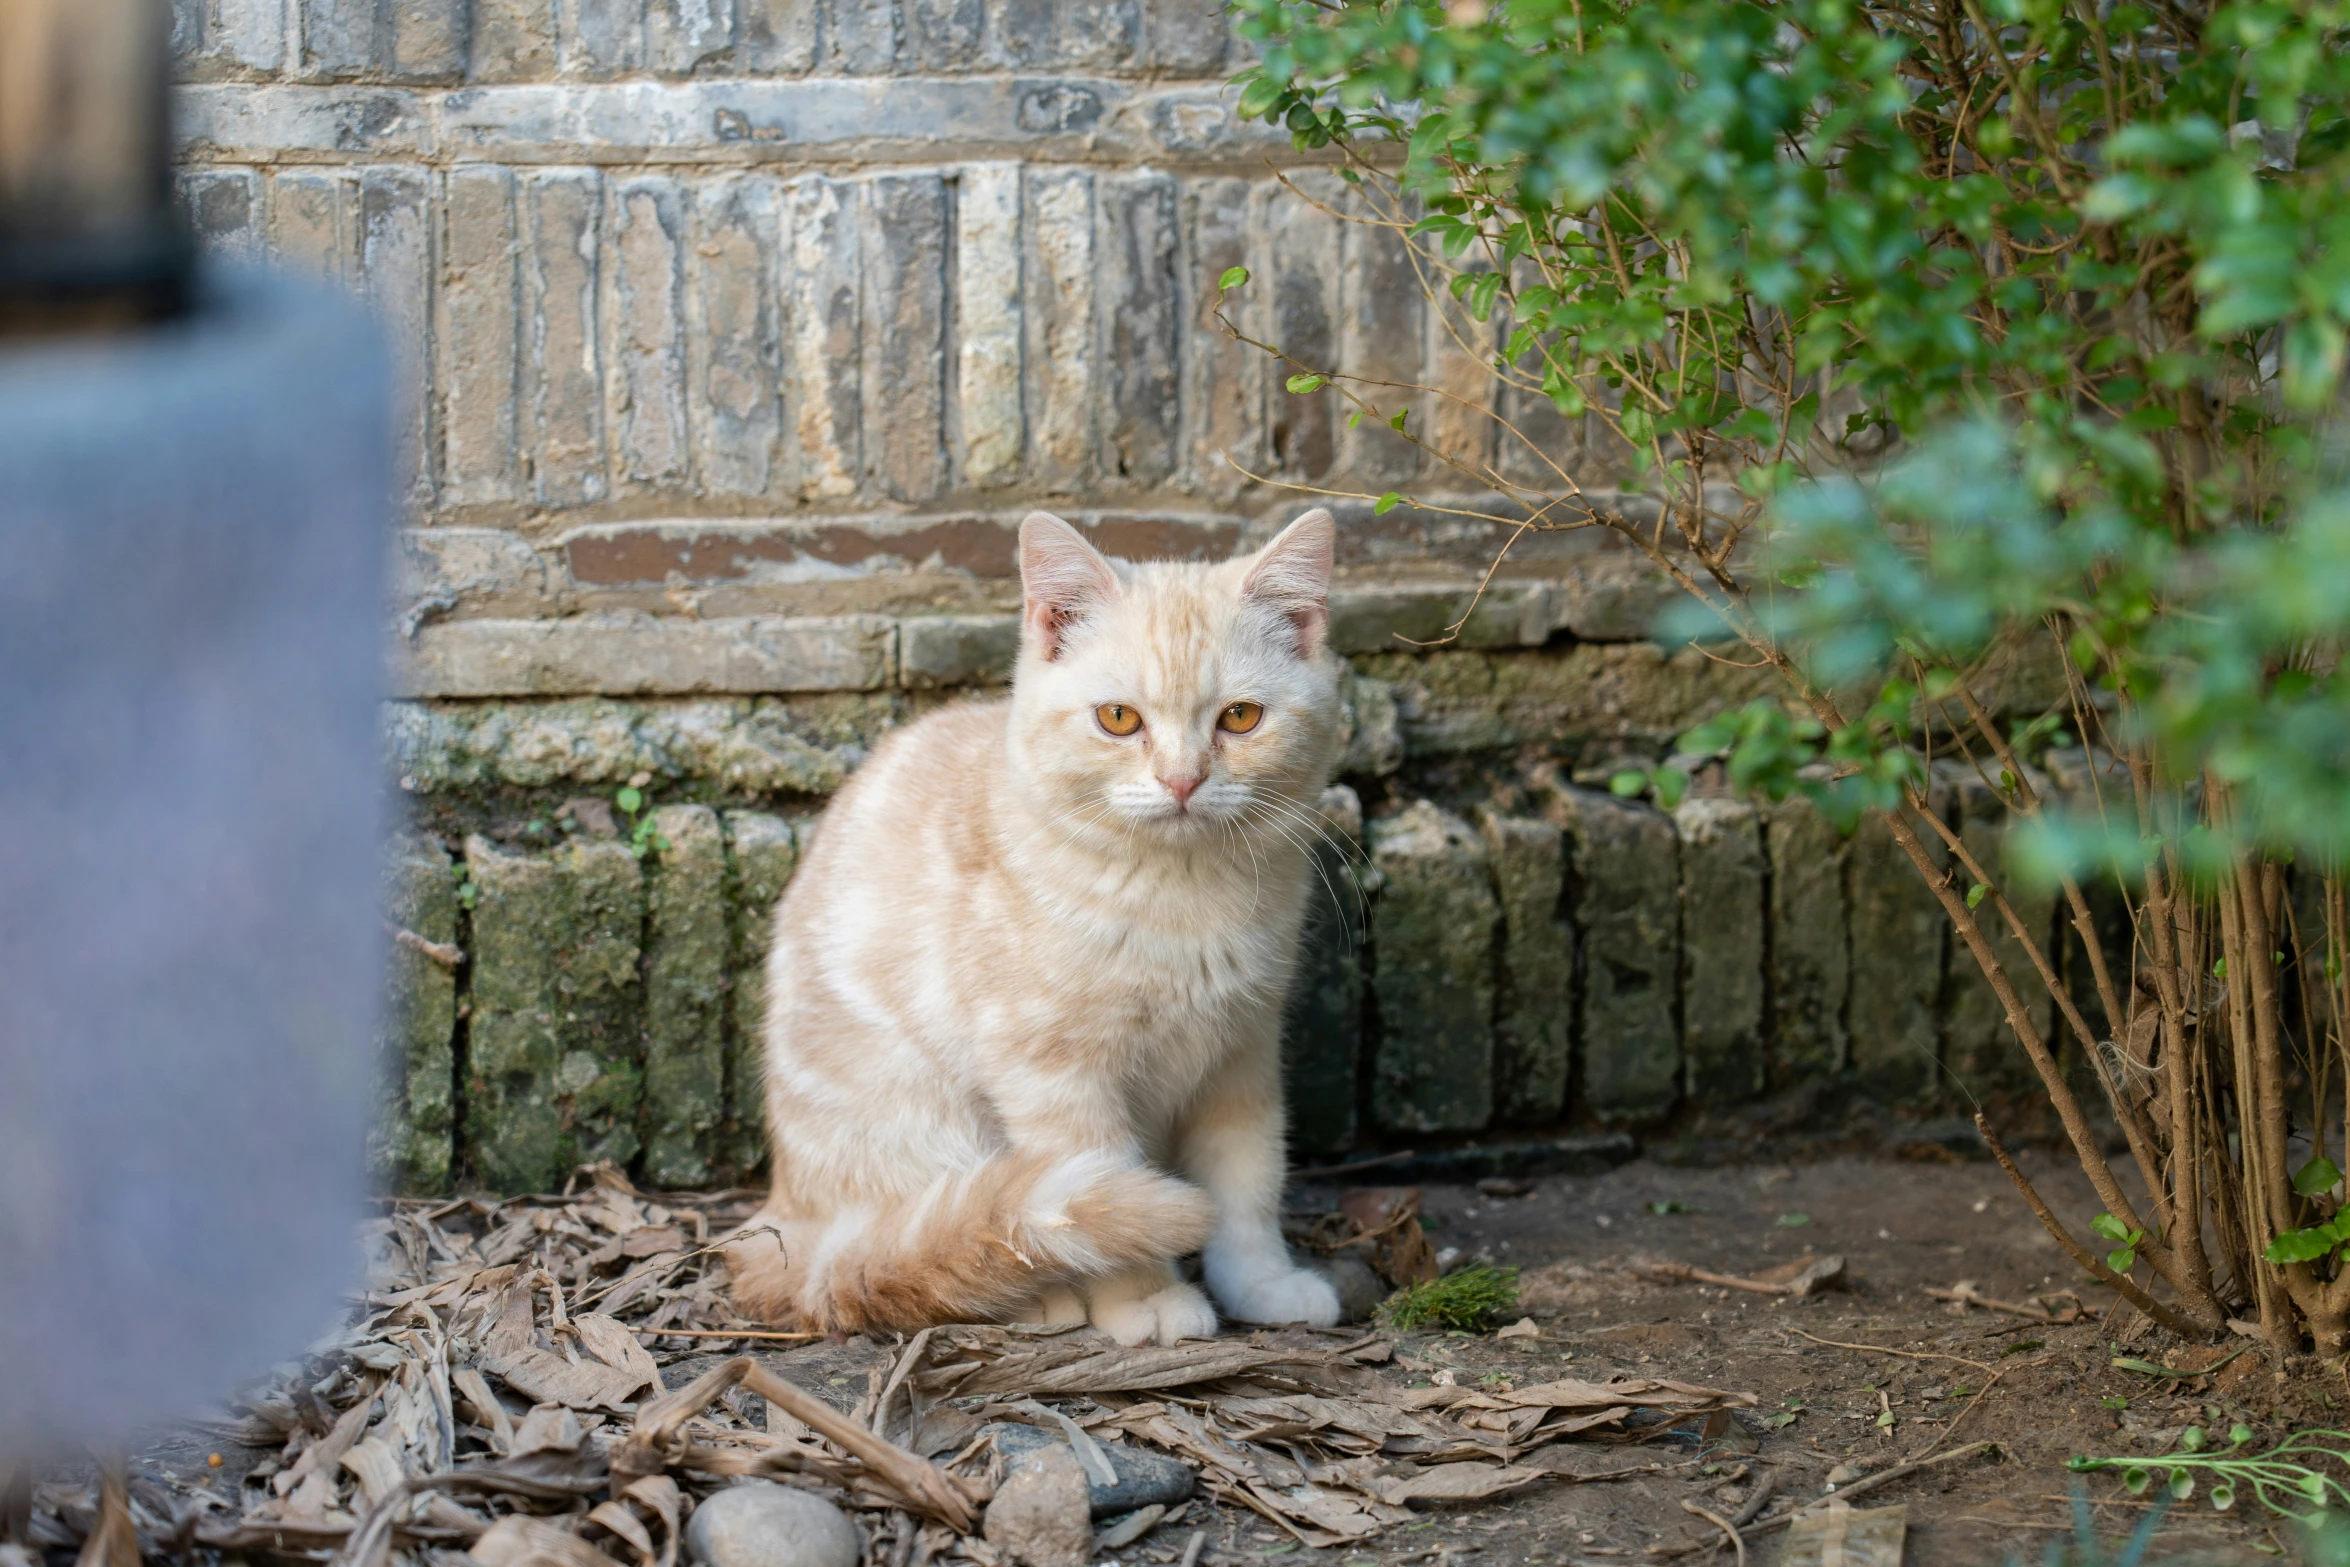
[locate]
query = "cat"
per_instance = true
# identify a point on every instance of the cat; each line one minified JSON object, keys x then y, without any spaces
{"x":1024,"y":1001}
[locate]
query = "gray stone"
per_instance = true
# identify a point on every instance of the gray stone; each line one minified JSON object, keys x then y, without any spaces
{"x":1380,"y":341}
{"x":1810,"y":945}
{"x":860,"y":36}
{"x":1057,"y":309}
{"x":479,"y":571}
{"x":645,"y":332}
{"x":339,"y":37}
{"x":1534,"y":1011}
{"x":1433,"y":929}
{"x":513,"y":40}
{"x":778,"y":36}
{"x":476,"y":339}
{"x":224,"y":208}
{"x":311,"y":216}
{"x":619,"y":654}
{"x":411,"y":1145}
{"x":688,"y":950}
{"x":905,"y":324}
{"x":1323,"y":1041}
{"x":1722,"y":950}
{"x":600,"y":38}
{"x":428,"y":38}
{"x":987,"y":321}
{"x":761,"y":856}
{"x":556,"y":1063}
{"x":1041,"y":1514}
{"x":1374,"y":739}
{"x":396,"y":272}
{"x":945,"y":34}
{"x":562,"y":374}
{"x":1625,"y":904}
{"x":1359,"y":1289}
{"x":937,"y":651}
{"x":734,"y":333}
{"x":1633,"y":697}
{"x":1224,"y":398}
{"x":683,"y":35}
{"x":1982,"y":1052}
{"x":1144,"y":1478}
{"x":1140,"y":297}
{"x":1899,"y":937}
{"x":823,"y":333}
{"x":1303,"y":242}
{"x":758,"y":1523}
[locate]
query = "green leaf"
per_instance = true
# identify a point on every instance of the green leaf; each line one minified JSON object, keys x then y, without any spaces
{"x":1792,"y":1221}
{"x":2223,"y":1495}
{"x":1302,"y":384}
{"x":2182,"y":1484}
{"x":2193,"y":1439}
{"x":1385,"y":504}
{"x":1354,"y":419}
{"x":2302,"y":1245}
{"x":630,"y":800}
{"x":2219,"y":970}
{"x":2239,"y":1434}
{"x":1396,"y":423}
{"x":1976,"y":893}
{"x":2135,"y":1480}
{"x":2318,"y":1175}
{"x":1628,"y":784}
{"x":2122,"y":1259}
{"x":1233,"y":278}
{"x":2110,"y":1227}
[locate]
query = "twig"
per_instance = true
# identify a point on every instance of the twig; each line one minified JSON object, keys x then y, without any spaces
{"x":719,"y":1333}
{"x":447,"y":954}
{"x":1965,"y":1294}
{"x":1683,"y":1271}
{"x":1879,"y":1349}
{"x":1737,"y":1540}
{"x":1897,"y":1472}
{"x":1759,"y":1500}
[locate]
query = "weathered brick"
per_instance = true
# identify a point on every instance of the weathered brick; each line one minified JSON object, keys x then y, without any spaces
{"x":1374,"y":739}
{"x":513,"y":40}
{"x":1380,"y":340}
{"x":1023,"y":32}
{"x":681,"y":35}
{"x":428,"y":38}
{"x":1460,"y":426}
{"x":481,"y":571}
{"x":777,"y":745}
{"x":600,"y":38}
{"x":261,"y":122}
{"x":1454,"y":702}
{"x":1226,"y":379}
{"x":247,"y":33}
{"x":945,"y":35}
{"x":1100,"y":35}
{"x":1898,"y":937}
{"x":1138,"y":296}
{"x":562,"y":377}
{"x":395,"y":260}
{"x":411,"y":1145}
{"x":761,"y":856}
{"x":1323,"y":1035}
{"x":476,"y":340}
{"x":778,"y":37}
{"x":340,"y":38}
{"x":187,"y":35}
{"x":1187,"y":37}
{"x":987,"y":318}
{"x":1433,"y":932}
{"x":1982,"y":1052}
{"x":311,"y":220}
{"x":631,"y":652}
{"x":905,"y":319}
{"x":860,"y":36}
{"x":645,"y":397}
{"x":937,"y":651}
{"x":1624,"y":899}
{"x":1535,"y":1010}
{"x":687,"y":951}
{"x":821,"y":315}
{"x":734,"y":333}
{"x":1722,"y":959}
{"x":1811,"y":943}
{"x":1302,"y":246}
{"x":1058,"y":310}
{"x":555,"y":1062}
{"x":1546,"y":443}
{"x":224,"y":208}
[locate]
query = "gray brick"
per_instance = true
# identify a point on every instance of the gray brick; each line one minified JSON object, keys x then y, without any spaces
{"x":187,"y":35}
{"x":1188,"y":37}
{"x":247,"y":33}
{"x":822,"y":288}
{"x":1722,"y":959}
{"x":1982,"y":1051}
{"x":1099,"y":35}
{"x":945,"y":35}
{"x":860,"y":36}
{"x":312,"y":218}
{"x":428,"y":38}
{"x":942,"y":651}
{"x":1460,"y":356}
{"x":761,"y":856}
{"x":396,"y":266}
{"x":1625,"y":901}
{"x":905,"y":319}
{"x":281,"y":123}
{"x":779,"y":37}
{"x":1433,"y":931}
{"x":1138,"y":300}
{"x":1381,"y":339}
{"x":555,"y":1061}
{"x":1023,"y":32}
{"x":341,"y":38}
{"x":412,"y":1142}
{"x":1322,"y":1045}
{"x":1058,"y":307}
{"x":563,"y":405}
{"x":1535,"y":1008}
{"x":476,"y":338}
{"x":734,"y":333}
{"x":1898,"y":937}
{"x":598,"y":39}
{"x":224,"y":208}
{"x":644,"y":317}
{"x":1227,"y":379}
{"x":632,"y":653}
{"x":687,"y":950}
{"x":1811,"y":945}
{"x":1546,"y":441}
{"x":513,"y":40}
{"x":682,"y":35}
{"x":987,"y":320}
{"x":1302,"y":245}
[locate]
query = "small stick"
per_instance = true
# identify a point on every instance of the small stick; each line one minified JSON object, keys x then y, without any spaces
{"x":720,"y":1333}
{"x":1759,"y":1500}
{"x":1879,"y":1349}
{"x":1737,"y":1540}
{"x":1965,"y":1295}
{"x":447,"y":954}
{"x":1897,"y":1472}
{"x":1193,"y":1546}
{"x":1683,"y":1271}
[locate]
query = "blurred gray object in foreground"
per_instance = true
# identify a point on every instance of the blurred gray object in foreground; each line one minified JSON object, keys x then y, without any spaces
{"x":192,"y":525}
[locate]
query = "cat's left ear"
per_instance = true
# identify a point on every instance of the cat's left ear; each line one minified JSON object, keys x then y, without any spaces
{"x":1292,"y":574}
{"x":1062,"y":580}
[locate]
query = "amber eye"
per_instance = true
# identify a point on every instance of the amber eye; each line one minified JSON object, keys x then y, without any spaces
{"x":1240,"y":717}
{"x":1117,"y":718}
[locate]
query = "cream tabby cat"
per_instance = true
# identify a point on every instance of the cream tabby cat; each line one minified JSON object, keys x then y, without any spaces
{"x":1025,"y":997}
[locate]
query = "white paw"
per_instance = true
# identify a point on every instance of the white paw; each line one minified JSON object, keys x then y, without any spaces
{"x":1289,"y":1295}
{"x":1176,"y":1312}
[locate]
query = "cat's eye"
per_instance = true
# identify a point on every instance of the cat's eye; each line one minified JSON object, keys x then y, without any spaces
{"x":1240,"y":717}
{"x":1117,"y":718}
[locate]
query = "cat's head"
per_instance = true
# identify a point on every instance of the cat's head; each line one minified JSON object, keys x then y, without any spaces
{"x":1175,"y":700}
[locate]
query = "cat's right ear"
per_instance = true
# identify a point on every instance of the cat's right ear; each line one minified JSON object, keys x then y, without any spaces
{"x":1062,"y":580}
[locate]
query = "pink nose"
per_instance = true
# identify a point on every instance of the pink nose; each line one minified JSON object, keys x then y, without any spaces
{"x":1181,"y":789}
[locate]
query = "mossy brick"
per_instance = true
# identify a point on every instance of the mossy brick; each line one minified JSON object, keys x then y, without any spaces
{"x":1534,"y":1013}
{"x":688,"y":949}
{"x":1456,"y":700}
{"x":1810,"y":943}
{"x":1899,"y":939}
{"x":1721,"y":947}
{"x":1323,"y":1040}
{"x":555,"y":1072}
{"x":1433,"y":930}
{"x":762,"y":853}
{"x":1624,"y":898}
{"x":411,"y":1145}
{"x":1981,"y":1049}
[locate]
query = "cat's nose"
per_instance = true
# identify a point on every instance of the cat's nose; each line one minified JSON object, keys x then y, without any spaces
{"x":1181,"y":789}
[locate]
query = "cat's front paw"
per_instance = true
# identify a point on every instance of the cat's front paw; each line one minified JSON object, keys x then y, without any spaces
{"x":1176,"y":1312}
{"x":1287,"y":1295}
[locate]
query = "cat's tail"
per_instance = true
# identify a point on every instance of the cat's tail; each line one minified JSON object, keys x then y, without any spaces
{"x":970,"y":1247}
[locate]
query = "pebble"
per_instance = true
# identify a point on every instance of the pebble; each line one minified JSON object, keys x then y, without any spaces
{"x":1040,"y":1516}
{"x":1359,"y":1289}
{"x":759,"y":1523}
{"x":1144,"y":1477}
